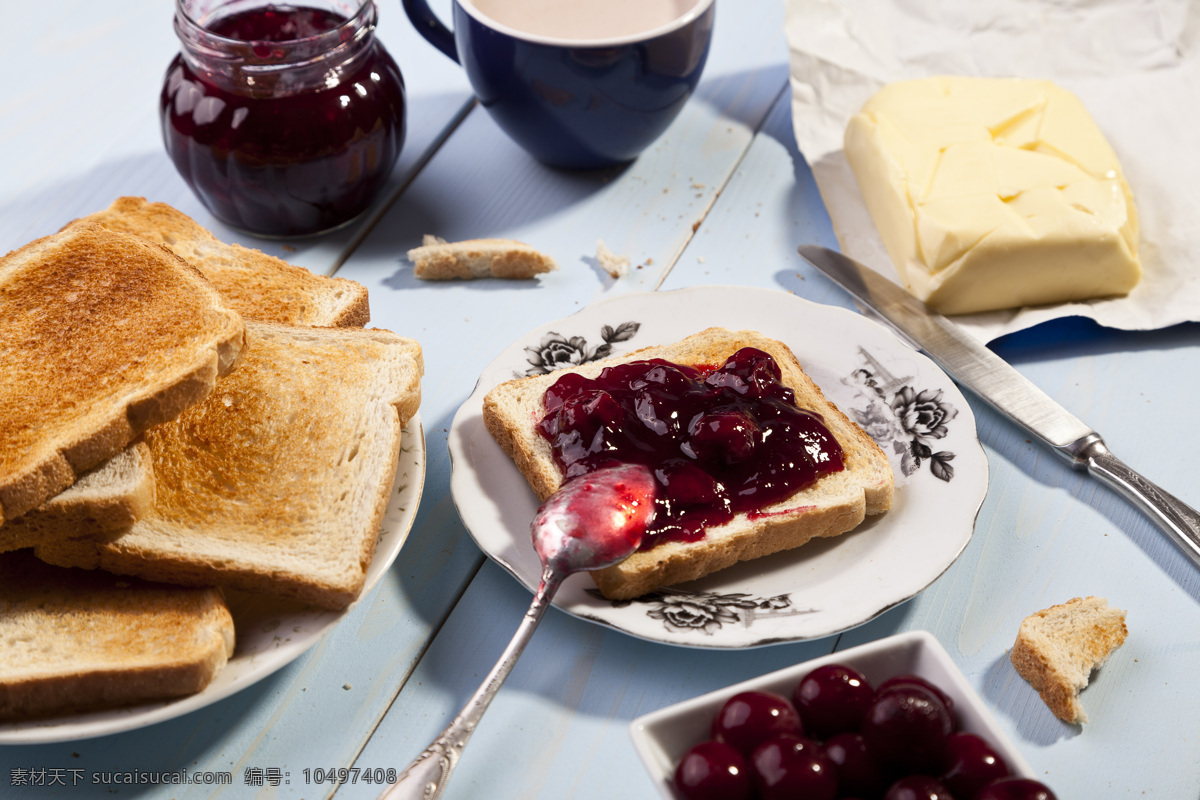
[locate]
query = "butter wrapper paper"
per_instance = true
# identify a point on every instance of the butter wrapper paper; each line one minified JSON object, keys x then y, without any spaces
{"x":1136,"y":66}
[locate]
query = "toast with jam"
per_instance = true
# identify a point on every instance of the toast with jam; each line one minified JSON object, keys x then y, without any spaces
{"x":278,"y":482}
{"x":78,"y":641}
{"x":253,"y":283}
{"x":102,"y":336}
{"x":749,"y":456}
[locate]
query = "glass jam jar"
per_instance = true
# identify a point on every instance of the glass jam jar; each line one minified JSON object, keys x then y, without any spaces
{"x":285,"y":120}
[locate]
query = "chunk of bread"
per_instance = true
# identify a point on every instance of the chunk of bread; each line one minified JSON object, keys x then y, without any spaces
{"x":835,"y":504}
{"x":253,"y":283}
{"x":1057,"y":649}
{"x":102,"y":336}
{"x":439,"y":260}
{"x":79,"y":641}
{"x":278,"y":482}
{"x":105,"y":500}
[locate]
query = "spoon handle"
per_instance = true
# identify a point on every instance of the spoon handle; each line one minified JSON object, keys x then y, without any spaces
{"x":426,"y":777}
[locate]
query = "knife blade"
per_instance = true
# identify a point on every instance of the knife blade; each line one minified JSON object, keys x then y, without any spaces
{"x":999,"y":384}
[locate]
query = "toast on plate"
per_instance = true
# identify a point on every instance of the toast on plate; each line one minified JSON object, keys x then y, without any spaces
{"x":102,"y":336}
{"x":253,"y":283}
{"x":1058,"y":647}
{"x":79,"y":641}
{"x":278,"y":482}
{"x":105,"y":500}
{"x":836,"y":503}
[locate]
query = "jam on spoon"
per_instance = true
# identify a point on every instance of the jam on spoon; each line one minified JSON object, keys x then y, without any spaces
{"x":592,"y":521}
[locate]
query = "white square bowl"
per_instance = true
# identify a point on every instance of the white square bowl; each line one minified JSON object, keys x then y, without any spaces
{"x":662,"y":737}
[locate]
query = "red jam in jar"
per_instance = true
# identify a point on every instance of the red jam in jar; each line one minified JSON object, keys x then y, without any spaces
{"x":285,"y":120}
{"x":720,"y":441}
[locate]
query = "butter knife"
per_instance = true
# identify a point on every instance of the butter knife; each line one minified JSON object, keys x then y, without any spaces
{"x":990,"y":377}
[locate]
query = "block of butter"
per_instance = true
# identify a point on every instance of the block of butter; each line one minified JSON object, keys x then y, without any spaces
{"x":994,"y":193}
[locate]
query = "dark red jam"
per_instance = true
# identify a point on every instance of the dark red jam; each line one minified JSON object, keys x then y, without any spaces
{"x":276,"y":24}
{"x":720,"y":441}
{"x":281,"y":158}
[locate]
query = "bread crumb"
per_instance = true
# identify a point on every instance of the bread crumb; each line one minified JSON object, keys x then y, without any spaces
{"x":615,"y":265}
{"x":439,"y":260}
{"x":1057,"y":649}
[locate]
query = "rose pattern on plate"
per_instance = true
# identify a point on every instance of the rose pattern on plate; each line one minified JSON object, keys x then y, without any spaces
{"x":910,"y":420}
{"x":708,"y":612}
{"x":556,"y":351}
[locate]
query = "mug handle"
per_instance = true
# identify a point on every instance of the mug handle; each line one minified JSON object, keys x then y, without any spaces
{"x":429,"y":26}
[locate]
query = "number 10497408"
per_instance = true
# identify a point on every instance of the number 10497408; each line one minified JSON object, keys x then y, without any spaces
{"x":343,"y":775}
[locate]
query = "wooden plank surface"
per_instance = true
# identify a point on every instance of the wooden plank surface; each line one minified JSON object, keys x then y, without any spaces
{"x":371,"y":694}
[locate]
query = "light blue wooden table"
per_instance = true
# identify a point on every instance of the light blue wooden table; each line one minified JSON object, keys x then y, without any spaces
{"x":723,"y":198}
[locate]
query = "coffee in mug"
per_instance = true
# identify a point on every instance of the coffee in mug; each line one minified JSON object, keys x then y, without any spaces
{"x":580,"y":84}
{"x":584,"y":19}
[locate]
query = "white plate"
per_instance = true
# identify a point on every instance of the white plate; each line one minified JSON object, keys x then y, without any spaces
{"x":813,"y":591}
{"x":270,"y":634}
{"x":661,"y":738}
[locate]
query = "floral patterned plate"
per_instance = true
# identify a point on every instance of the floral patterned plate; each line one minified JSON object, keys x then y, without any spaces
{"x":899,"y":396}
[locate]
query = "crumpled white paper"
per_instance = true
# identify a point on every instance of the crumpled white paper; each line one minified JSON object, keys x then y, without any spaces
{"x":1134,"y":63}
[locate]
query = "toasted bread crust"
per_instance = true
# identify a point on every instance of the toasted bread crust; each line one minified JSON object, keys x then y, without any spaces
{"x":102,"y":336}
{"x":836,"y":504}
{"x":103,"y":502}
{"x":277,"y":483}
{"x":253,"y":283}
{"x":1058,"y":647}
{"x":478,"y":258}
{"x":82,"y":641}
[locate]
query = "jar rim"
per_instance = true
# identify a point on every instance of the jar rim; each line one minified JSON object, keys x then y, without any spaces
{"x":366,"y":8}
{"x":332,"y":46}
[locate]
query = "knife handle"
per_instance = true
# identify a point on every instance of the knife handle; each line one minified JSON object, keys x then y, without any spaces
{"x":1178,"y":519}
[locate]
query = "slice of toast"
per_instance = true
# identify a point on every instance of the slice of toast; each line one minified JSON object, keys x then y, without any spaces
{"x":835,"y":504}
{"x":79,"y":641}
{"x":439,"y":260}
{"x":104,"y":501}
{"x":102,"y":336}
{"x":278,"y":482}
{"x":253,"y":283}
{"x":1058,"y":647}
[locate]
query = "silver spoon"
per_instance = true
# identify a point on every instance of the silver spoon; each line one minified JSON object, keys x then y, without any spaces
{"x":591,"y":522}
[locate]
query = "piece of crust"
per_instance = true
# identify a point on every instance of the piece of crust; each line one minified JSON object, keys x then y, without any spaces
{"x":253,"y":283}
{"x":439,"y":260}
{"x":278,"y":483}
{"x":102,"y":336}
{"x":837,"y":503}
{"x":1058,"y":647}
{"x":104,"y":501}
{"x":79,"y":641}
{"x":615,"y":265}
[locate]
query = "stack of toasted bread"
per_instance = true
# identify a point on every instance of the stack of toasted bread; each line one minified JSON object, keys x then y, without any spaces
{"x":187,"y":415}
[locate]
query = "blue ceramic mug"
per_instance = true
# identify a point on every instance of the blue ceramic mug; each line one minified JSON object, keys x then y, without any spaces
{"x":575,"y":103}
